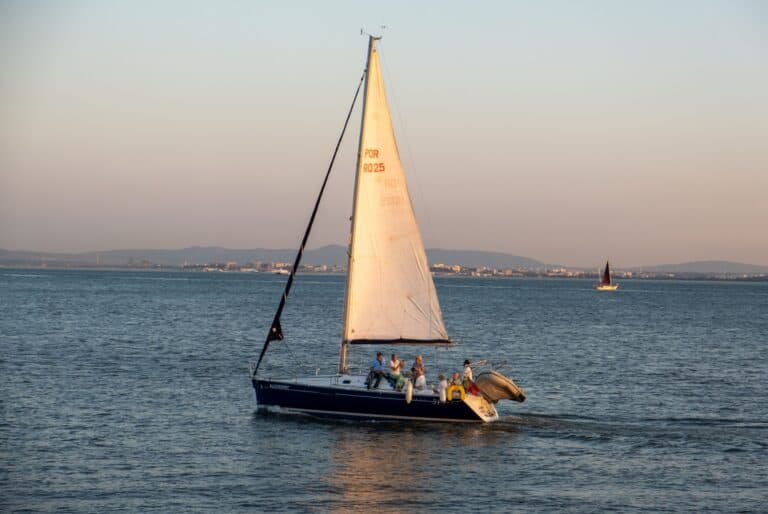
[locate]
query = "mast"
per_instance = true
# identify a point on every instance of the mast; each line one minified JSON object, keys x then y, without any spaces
{"x":344,"y":343}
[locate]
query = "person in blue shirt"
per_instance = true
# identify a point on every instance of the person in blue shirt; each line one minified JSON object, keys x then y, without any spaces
{"x":377,"y":371}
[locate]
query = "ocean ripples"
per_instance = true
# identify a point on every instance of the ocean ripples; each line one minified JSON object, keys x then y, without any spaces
{"x":129,"y":391}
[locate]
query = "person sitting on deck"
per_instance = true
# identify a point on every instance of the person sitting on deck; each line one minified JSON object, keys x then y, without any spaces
{"x":395,"y":376}
{"x":419,"y":379}
{"x":377,"y":371}
{"x":418,"y":367}
{"x":419,"y":373}
{"x":455,"y":386}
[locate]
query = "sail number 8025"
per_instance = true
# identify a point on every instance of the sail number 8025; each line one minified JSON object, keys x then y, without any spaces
{"x":372,"y":167}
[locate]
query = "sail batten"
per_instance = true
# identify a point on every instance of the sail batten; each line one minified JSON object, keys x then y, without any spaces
{"x":390,"y":297}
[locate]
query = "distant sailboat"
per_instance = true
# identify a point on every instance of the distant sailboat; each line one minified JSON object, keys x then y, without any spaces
{"x":605,"y":283}
{"x":390,"y":297}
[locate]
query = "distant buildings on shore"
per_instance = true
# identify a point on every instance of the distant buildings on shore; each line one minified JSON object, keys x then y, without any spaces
{"x":483,"y":271}
{"x":280,"y":268}
{"x":458,"y":270}
{"x":563,"y":272}
{"x":439,"y":269}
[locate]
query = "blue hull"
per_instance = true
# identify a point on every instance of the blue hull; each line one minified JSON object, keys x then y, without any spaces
{"x":336,"y":402}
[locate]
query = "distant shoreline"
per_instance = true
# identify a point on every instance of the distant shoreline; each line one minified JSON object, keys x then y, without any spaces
{"x":334,"y":258}
{"x":530,"y":274}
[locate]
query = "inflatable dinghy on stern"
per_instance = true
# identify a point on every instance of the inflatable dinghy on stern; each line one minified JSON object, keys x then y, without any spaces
{"x":494,"y":386}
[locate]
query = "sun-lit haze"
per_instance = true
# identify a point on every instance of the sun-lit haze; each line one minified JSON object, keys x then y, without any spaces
{"x":563,"y":131}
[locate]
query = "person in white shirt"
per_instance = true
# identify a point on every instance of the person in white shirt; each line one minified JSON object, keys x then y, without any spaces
{"x":419,"y":373}
{"x":467,"y":378}
{"x":395,"y":375}
{"x":421,"y":382}
{"x":395,"y":365}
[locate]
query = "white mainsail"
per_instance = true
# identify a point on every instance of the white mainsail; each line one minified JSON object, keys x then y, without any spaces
{"x":390,"y":293}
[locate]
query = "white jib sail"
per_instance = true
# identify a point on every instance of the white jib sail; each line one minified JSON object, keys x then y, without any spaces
{"x":390,"y":292}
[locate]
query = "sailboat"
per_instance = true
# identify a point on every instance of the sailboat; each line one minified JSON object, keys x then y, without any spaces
{"x":605,"y":283}
{"x":390,"y":297}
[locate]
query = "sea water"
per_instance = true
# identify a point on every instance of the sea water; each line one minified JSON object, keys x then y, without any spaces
{"x":129,"y":391}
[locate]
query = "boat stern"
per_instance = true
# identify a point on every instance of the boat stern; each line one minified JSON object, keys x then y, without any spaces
{"x":484,"y":409}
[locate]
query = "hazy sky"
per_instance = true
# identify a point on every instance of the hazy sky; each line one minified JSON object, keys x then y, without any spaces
{"x":564,"y":131}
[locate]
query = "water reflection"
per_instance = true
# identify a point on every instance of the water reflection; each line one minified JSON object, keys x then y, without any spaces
{"x":388,"y":465}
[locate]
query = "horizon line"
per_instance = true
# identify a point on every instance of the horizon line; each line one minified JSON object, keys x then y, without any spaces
{"x":293,"y":249}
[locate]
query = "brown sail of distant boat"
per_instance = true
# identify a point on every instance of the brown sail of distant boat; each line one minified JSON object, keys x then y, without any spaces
{"x":605,"y":283}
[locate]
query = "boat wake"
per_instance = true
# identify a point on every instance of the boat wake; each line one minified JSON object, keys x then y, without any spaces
{"x":730,"y":434}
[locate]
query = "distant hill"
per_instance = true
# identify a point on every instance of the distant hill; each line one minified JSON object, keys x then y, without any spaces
{"x":476,"y":259}
{"x":707,"y":267}
{"x":331,"y":255}
{"x":335,"y":255}
{"x":191,"y":255}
